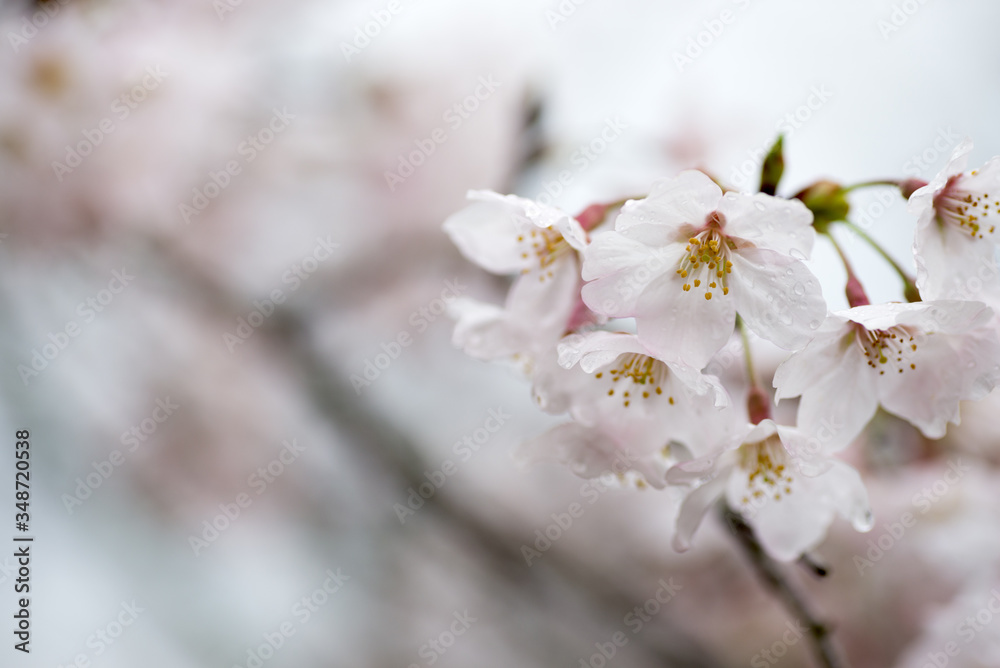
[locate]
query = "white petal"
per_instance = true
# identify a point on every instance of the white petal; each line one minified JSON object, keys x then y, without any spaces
{"x":596,"y":350}
{"x":777,"y":296}
{"x":684,"y":325}
{"x":819,"y":358}
{"x":486,"y":232}
{"x":585,"y":451}
{"x":480,"y":330}
{"x":553,"y":387}
{"x":773,"y":223}
{"x":673,"y":204}
{"x":948,"y":369}
{"x":693,"y":509}
{"x":839,"y":406}
{"x":953,"y":265}
{"x":798,"y":522}
{"x":843,"y":489}
{"x":590,"y":453}
{"x":533,"y":319}
{"x":922,"y":200}
{"x":620,"y":269}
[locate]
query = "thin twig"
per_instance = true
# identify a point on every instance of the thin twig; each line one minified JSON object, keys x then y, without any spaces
{"x":793,"y":600}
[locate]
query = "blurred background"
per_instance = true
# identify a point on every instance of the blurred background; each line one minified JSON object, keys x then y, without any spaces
{"x":223,"y":311}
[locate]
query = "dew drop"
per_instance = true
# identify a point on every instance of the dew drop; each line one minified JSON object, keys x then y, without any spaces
{"x":798,"y":289}
{"x":760,"y":205}
{"x":797,"y":254}
{"x":814,"y":324}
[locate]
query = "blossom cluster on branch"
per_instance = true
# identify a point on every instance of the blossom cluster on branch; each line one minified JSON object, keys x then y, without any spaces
{"x":617,"y":321}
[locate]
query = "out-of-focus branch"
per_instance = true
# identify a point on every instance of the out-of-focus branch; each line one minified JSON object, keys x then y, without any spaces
{"x":774,"y":579}
{"x":395,"y":453}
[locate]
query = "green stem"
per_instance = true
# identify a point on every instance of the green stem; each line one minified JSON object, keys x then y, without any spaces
{"x":853,"y":289}
{"x":747,"y":356}
{"x":758,"y":401}
{"x":870,"y":184}
{"x":909,"y":285}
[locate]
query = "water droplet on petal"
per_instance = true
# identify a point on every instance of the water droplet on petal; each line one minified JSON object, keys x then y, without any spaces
{"x":788,"y":272}
{"x":814,"y":324}
{"x":797,"y":254}
{"x":798,"y":289}
{"x":760,"y":205}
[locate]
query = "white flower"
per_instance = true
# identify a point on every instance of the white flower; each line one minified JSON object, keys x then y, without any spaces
{"x":626,"y":405}
{"x":506,"y":235}
{"x":685,"y":260}
{"x":955,"y":244}
{"x":917,"y":360}
{"x":782,"y":485}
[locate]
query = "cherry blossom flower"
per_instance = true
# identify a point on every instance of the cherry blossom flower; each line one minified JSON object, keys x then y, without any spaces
{"x":506,"y":235}
{"x":917,"y":360}
{"x":685,"y":260}
{"x":781,"y":483}
{"x":626,"y":404}
{"x":958,"y":214}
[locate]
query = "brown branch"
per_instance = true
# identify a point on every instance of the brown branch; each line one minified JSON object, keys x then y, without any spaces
{"x":774,"y":580}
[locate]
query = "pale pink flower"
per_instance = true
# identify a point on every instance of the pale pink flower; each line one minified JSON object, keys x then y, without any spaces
{"x":955,"y":244}
{"x":782,"y":485}
{"x":626,"y":405}
{"x":919,"y":361}
{"x":686,"y":259}
{"x":508,"y":235}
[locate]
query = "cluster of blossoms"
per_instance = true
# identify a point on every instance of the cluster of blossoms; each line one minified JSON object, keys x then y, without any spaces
{"x":615,"y":323}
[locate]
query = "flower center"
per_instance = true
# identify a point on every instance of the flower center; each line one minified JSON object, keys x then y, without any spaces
{"x":546,"y":245}
{"x":766,"y":466}
{"x":706,"y":263}
{"x":643,"y":376}
{"x":887,"y":348}
{"x":965,"y":210}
